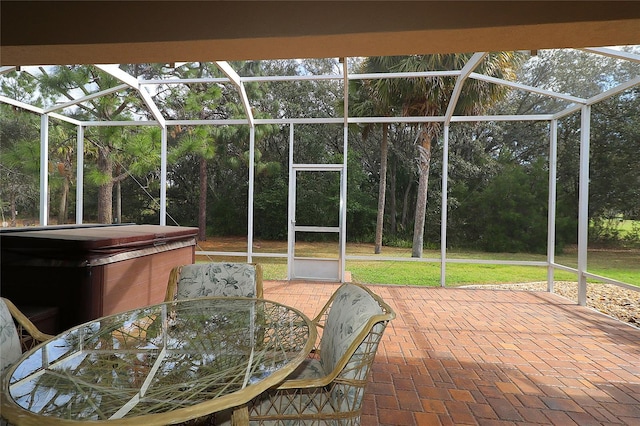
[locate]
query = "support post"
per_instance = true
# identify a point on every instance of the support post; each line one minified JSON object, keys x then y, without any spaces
{"x":551,"y":215}
{"x":343,"y":206}
{"x":343,"y":175}
{"x":80,"y":175}
{"x":44,"y":170}
{"x":583,"y":203}
{"x":163,"y":176}
{"x":252,"y":166}
{"x":443,"y":224}
{"x":291,"y":234}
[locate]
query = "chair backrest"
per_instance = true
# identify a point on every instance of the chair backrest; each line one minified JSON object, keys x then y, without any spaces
{"x":354,"y":326}
{"x":215,"y":279}
{"x":10,"y":348}
{"x":354,"y":310}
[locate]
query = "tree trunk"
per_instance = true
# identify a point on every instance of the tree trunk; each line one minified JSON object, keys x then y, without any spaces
{"x":405,"y":205}
{"x":105,"y":191}
{"x":392,"y":198}
{"x":421,"y":200}
{"x":14,"y":214}
{"x":62,"y":207}
{"x":119,"y":202}
{"x":202,"y":204}
{"x":118,"y":195}
{"x":382,"y":187}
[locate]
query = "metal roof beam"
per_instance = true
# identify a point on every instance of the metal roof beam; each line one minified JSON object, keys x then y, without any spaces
{"x":530,"y":117}
{"x":119,"y":123}
{"x":213,"y":122}
{"x":235,"y":79}
{"x":613,"y":53}
{"x":4,"y":70}
{"x":567,"y":111}
{"x":169,"y":81}
{"x":599,"y":97}
{"x":527,"y":88}
{"x":115,"y":71}
{"x":22,"y":105}
{"x":416,"y":74}
{"x":65,"y":118}
{"x":37,"y":110}
{"x":146,"y":97}
{"x":264,"y":78}
{"x":58,"y":107}
{"x":285,"y":121}
{"x":464,"y":74}
{"x":271,"y":78}
{"x":614,"y":91}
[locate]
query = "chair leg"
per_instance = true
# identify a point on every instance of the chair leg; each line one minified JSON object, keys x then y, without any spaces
{"x":240,"y":416}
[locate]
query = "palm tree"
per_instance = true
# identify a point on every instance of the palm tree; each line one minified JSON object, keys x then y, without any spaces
{"x":64,"y":144}
{"x":373,"y":99}
{"x":420,"y":96}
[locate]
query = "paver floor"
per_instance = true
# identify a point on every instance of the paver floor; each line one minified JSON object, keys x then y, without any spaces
{"x":492,"y":357}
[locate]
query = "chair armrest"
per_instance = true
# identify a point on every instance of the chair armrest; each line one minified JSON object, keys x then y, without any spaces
{"x":172,"y":284}
{"x":305,"y":383}
{"x":26,"y":323}
{"x":259,"y":283}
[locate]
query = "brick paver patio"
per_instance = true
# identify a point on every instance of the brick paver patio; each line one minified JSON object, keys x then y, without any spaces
{"x":492,"y":357}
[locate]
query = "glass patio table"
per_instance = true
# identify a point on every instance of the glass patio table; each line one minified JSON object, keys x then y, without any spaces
{"x":159,"y":364}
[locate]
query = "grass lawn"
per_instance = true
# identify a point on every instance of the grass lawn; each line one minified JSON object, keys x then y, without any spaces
{"x":620,"y":265}
{"x":629,"y":226}
{"x":413,"y":273}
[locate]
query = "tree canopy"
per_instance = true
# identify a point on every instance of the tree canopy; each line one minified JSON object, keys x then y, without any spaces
{"x":498,"y":172}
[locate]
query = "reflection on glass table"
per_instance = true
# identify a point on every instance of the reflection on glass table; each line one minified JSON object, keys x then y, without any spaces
{"x":160,"y":364}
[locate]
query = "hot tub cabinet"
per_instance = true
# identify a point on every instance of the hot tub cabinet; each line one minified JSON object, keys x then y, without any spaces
{"x":91,"y":271}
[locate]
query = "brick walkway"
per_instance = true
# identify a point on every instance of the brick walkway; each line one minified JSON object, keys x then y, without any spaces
{"x":490,"y":357}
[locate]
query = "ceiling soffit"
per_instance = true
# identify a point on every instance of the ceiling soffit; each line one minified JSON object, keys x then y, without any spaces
{"x":59,"y":32}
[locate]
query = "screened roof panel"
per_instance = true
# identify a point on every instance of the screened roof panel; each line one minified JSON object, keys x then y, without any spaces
{"x":217,"y":93}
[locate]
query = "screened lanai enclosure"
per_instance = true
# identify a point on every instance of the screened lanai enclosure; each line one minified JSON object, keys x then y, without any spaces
{"x":233,"y":101}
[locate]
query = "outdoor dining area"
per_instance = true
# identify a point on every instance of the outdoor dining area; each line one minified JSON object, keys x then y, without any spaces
{"x":215,"y":351}
{"x":105,"y":322}
{"x":224,"y":347}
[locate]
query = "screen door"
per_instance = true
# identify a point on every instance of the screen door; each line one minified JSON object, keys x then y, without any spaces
{"x":315,"y":231}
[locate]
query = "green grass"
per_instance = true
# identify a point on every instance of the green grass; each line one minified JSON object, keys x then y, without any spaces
{"x":629,"y":226}
{"x":626,"y":227}
{"x":620,"y":265}
{"x":428,"y":274}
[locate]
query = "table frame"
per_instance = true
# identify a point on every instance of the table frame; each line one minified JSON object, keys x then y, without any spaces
{"x":237,"y":400}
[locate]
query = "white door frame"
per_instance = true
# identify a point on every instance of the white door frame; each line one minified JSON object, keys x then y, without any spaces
{"x":314,"y":268}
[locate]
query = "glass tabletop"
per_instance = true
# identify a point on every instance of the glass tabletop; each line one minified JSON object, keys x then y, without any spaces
{"x":171,"y":361}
